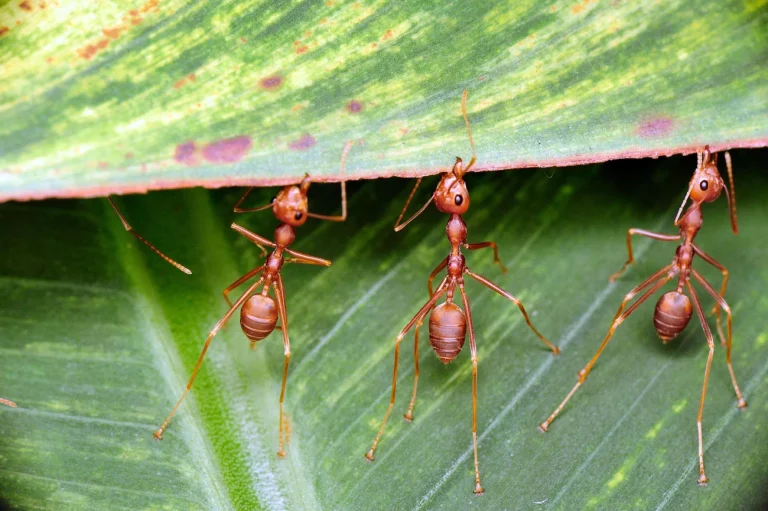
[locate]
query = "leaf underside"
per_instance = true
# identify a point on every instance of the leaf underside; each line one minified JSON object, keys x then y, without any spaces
{"x":149,"y":94}
{"x":99,"y":337}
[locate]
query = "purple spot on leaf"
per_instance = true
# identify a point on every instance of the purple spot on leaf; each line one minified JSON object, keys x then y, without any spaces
{"x":355,"y":106}
{"x":302,"y":144}
{"x":271,"y":82}
{"x":228,"y":150}
{"x":656,"y":127}
{"x":186,"y":153}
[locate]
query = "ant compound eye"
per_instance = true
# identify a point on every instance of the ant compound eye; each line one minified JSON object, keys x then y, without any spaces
{"x":704,"y":185}
{"x":298,"y":215}
{"x":458,"y":200}
{"x":273,"y":200}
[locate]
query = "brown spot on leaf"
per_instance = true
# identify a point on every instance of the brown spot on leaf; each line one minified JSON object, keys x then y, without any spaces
{"x":103,"y":165}
{"x":243,"y":40}
{"x":133,"y":17}
{"x":228,"y":150}
{"x":128,"y":156}
{"x":4,"y":30}
{"x":26,"y":6}
{"x":389,"y":34}
{"x":656,"y":127}
{"x":271,"y":82}
{"x":187,"y":79}
{"x":49,"y":60}
{"x":113,"y":33}
{"x":302,"y":144}
{"x":354,"y":107}
{"x":576,"y":9}
{"x":302,"y":49}
{"x":186,"y":153}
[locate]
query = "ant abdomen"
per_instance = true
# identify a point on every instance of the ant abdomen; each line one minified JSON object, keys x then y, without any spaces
{"x":673,"y":312}
{"x":447,"y":330}
{"x":258,"y":317}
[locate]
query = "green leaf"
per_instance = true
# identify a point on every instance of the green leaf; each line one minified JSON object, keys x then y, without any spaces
{"x":144,"y":94}
{"x":99,"y":337}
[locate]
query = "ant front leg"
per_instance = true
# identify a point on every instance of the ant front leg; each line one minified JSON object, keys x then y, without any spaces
{"x":494,"y":287}
{"x":485,"y":244}
{"x":441,"y":289}
{"x":409,"y":414}
{"x":136,"y":235}
{"x":716,"y":309}
{"x":618,"y":320}
{"x":630,"y":258}
{"x":283,"y":311}
{"x":223,"y":321}
{"x":741,"y":403}
{"x":473,"y":353}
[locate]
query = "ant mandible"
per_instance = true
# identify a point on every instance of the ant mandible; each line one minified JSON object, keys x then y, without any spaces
{"x":259,"y":313}
{"x":674,"y":309}
{"x":448,"y":324}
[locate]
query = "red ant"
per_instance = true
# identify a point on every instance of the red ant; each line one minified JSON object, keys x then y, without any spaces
{"x":674,"y":309}
{"x":448,"y":324}
{"x":259,"y":313}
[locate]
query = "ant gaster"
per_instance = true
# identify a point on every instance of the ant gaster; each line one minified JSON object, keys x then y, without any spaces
{"x":448,"y":324}
{"x":260,"y":312}
{"x":674,"y":309}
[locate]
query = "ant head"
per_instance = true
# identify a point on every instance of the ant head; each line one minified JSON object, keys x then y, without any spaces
{"x":290,"y":206}
{"x":706,"y":183}
{"x":452,"y":195}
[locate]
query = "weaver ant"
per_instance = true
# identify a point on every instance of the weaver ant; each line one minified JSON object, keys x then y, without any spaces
{"x":674,"y":308}
{"x":260,"y":312}
{"x":448,"y":324}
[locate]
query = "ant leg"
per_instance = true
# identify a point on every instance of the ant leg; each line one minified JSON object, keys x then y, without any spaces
{"x":441,"y":289}
{"x":255,"y":238}
{"x":238,"y":209}
{"x":7,"y":403}
{"x":409,"y":414}
{"x":244,"y":278}
{"x":716,"y":309}
{"x":473,"y":353}
{"x":159,"y":433}
{"x":630,"y":258}
{"x":302,"y":258}
{"x":280,"y":295}
{"x":619,"y":319}
{"x":494,"y":287}
{"x":708,"y":333}
{"x":150,"y":245}
{"x":741,"y":403}
{"x":485,"y":244}
{"x":343,"y":216}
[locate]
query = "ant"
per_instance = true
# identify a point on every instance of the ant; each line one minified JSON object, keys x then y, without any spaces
{"x":260,"y":312}
{"x":674,"y":309}
{"x":448,"y":324}
{"x":150,"y":245}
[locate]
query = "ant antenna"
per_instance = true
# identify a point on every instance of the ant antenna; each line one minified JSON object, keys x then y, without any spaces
{"x":732,"y":195}
{"x":343,"y":215}
{"x":398,"y":226}
{"x":150,"y":245}
{"x":238,"y":209}
{"x":469,"y":132}
{"x":685,"y":200}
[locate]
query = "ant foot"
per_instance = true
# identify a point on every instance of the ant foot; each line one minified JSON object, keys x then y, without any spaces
{"x":556,"y":351}
{"x":742,"y":403}
{"x":281,"y":453}
{"x":369,"y":455}
{"x":544,"y":426}
{"x":408,"y":416}
{"x":478,"y":489}
{"x":158,"y":434}
{"x":703,"y":480}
